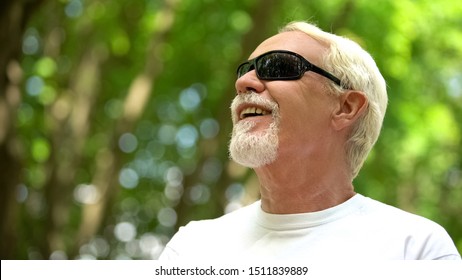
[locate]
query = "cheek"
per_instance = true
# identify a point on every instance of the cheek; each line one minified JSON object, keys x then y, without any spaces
{"x":305,"y":109}
{"x":303,"y":123}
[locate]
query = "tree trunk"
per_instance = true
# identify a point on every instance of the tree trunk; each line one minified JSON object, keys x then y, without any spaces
{"x":13,"y":18}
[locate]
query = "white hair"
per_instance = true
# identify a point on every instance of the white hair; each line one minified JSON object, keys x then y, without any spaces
{"x":357,"y":70}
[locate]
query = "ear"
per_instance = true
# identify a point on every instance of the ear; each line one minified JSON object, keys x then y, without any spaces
{"x":352,"y":105}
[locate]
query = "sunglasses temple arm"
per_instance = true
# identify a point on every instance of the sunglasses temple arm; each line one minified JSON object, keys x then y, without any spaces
{"x":326,"y":74}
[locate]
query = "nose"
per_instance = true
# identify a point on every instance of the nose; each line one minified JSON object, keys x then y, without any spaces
{"x":249,"y":82}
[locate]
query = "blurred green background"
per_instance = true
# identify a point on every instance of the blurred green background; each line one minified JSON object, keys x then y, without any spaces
{"x":114,"y":115}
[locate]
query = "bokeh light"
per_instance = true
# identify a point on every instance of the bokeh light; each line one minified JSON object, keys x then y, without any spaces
{"x":125,"y":231}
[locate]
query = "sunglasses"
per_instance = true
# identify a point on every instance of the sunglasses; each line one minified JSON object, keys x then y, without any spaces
{"x":282,"y":65}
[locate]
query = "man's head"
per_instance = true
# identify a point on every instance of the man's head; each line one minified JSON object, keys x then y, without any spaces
{"x":343,"y":92}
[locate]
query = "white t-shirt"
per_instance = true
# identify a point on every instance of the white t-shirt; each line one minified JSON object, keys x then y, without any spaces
{"x":360,"y":228}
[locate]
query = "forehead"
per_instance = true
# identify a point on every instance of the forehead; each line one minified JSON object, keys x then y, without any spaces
{"x":294,"y":41}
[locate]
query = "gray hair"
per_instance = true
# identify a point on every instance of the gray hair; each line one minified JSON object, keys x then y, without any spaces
{"x":357,"y":70}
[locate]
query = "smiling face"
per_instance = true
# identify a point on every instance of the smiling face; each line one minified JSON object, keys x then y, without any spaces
{"x":282,"y":119}
{"x":254,"y":140}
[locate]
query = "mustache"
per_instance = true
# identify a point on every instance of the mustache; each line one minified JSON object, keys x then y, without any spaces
{"x":253,"y":98}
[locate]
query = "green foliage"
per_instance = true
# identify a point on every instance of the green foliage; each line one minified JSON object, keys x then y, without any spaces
{"x":124,"y":119}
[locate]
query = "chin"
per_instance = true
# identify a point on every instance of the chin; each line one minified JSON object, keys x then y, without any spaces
{"x":254,"y":150}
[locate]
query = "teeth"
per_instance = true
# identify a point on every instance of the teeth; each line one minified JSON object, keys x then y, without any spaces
{"x":253,"y":111}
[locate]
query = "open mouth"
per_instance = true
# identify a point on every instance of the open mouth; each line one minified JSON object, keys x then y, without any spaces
{"x":253,"y":112}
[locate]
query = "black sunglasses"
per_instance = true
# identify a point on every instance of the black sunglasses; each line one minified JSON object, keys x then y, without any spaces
{"x":282,"y":65}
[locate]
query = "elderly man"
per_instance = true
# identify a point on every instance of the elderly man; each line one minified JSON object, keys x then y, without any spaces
{"x":309,"y":108}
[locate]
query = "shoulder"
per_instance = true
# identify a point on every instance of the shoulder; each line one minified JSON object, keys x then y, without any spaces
{"x":395,"y":216}
{"x":204,"y":237}
{"x":422,"y":238}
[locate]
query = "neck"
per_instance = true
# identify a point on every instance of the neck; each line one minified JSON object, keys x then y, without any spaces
{"x":294,"y":188}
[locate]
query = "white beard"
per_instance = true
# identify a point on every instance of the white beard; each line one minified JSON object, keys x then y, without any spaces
{"x":254,"y":149}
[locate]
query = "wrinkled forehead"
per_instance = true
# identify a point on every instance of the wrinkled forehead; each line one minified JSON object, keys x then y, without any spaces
{"x":294,"y":41}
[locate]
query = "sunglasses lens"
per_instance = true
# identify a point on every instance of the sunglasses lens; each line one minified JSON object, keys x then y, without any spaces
{"x":282,"y":65}
{"x":243,"y":69}
{"x":279,"y":66}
